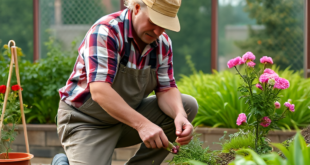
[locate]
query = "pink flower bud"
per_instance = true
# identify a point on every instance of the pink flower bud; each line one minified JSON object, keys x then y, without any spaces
{"x":277,"y":105}
{"x":265,"y":60}
{"x":248,"y":56}
{"x":287,"y":104}
{"x":251,"y":64}
{"x":241,"y":119}
{"x":259,"y":86}
{"x":234,"y":62}
{"x":265,"y":121}
{"x":292,"y":108}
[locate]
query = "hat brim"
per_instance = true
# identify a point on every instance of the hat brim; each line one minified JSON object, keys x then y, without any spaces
{"x":170,"y":23}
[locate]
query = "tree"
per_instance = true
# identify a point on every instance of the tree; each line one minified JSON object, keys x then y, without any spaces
{"x":194,"y":38}
{"x":16,"y":24}
{"x":282,"y":38}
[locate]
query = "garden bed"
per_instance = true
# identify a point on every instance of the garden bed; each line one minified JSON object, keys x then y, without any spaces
{"x":44,"y":142}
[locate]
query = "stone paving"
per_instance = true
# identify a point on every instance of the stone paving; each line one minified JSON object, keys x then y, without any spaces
{"x":47,"y":161}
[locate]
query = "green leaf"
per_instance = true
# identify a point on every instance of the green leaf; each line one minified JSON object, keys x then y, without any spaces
{"x":194,"y":162}
{"x":283,"y":149}
{"x":298,"y":148}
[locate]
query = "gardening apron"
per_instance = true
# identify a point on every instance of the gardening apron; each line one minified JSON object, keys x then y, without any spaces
{"x":89,"y":134}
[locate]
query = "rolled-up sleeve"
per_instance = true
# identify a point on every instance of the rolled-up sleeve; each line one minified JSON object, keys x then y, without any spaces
{"x":165,"y":75}
{"x":100,"y":54}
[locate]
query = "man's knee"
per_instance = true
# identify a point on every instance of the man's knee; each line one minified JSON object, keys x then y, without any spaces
{"x":190,"y":105}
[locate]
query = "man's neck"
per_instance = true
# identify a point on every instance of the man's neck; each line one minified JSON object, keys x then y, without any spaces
{"x":138,"y":41}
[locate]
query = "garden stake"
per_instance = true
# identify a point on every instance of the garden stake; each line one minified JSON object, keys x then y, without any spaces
{"x":14,"y":60}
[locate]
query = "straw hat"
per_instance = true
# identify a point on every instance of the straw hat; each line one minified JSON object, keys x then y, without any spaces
{"x":164,"y":13}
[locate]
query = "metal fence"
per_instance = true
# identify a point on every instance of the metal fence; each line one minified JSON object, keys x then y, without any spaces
{"x":272,"y":28}
{"x":69,"y":20}
{"x":266,"y":27}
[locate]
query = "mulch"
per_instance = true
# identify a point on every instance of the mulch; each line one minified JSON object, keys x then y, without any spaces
{"x":306,"y":134}
{"x":225,"y":158}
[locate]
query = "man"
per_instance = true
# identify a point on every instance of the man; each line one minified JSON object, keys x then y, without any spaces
{"x":104,"y":105}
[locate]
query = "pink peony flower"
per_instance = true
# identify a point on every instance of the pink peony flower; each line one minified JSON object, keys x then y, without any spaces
{"x":277,"y":105}
{"x":234,"y":62}
{"x":231,"y":63}
{"x":281,"y":83}
{"x":290,"y":106}
{"x":248,"y":56}
{"x":265,"y":121}
{"x":242,"y":61}
{"x":266,"y":76}
{"x":251,"y":64}
{"x":269,"y":71}
{"x":287,"y":104}
{"x":265,"y":60}
{"x":241,"y":119}
{"x":259,"y":86}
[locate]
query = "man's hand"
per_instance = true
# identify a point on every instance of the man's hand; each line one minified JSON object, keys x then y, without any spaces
{"x":184,"y":129}
{"x":153,"y":136}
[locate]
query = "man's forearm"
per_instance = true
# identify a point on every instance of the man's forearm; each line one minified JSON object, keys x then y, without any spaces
{"x":115,"y":105}
{"x":170,"y":102}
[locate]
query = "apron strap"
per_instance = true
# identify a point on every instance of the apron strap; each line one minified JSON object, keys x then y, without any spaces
{"x":152,"y":61}
{"x":125,"y":58}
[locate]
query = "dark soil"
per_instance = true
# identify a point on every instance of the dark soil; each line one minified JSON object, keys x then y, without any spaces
{"x":306,"y":134}
{"x":225,"y":158}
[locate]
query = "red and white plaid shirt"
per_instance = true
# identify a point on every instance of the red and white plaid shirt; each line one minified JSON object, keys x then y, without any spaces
{"x":100,"y":53}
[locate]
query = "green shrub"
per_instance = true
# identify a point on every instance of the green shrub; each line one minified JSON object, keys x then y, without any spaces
{"x":217,"y":94}
{"x":297,"y":154}
{"x":239,"y":140}
{"x":218,"y":98}
{"x":41,"y":81}
{"x":193,"y":151}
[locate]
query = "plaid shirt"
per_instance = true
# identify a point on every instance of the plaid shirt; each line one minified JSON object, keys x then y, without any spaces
{"x":100,"y":53}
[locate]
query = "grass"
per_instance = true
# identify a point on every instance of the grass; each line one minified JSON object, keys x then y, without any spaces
{"x":240,"y":140}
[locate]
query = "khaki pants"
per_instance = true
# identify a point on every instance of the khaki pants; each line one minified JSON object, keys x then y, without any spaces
{"x":89,"y":141}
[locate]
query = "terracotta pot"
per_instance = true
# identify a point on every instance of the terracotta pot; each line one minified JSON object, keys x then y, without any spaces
{"x":16,"y":158}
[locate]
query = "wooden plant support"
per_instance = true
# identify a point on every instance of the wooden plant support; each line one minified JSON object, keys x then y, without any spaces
{"x":14,"y":61}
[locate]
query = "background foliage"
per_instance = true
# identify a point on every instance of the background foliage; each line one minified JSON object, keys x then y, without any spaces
{"x":41,"y":81}
{"x":217,"y":94}
{"x":219,"y":104}
{"x":283,"y":36}
{"x":16,"y":24}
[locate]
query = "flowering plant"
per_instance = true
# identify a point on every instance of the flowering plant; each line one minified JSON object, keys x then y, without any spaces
{"x":260,"y":89}
{"x":12,"y":116}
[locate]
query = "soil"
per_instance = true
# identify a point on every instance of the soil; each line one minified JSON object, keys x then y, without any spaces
{"x":306,"y":134}
{"x":225,"y":158}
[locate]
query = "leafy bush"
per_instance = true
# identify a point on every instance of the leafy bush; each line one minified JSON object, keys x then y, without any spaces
{"x":239,"y":140}
{"x":41,"y":81}
{"x":297,"y":154}
{"x":217,"y":95}
{"x":217,"y":98}
{"x":219,"y":104}
{"x":192,"y":151}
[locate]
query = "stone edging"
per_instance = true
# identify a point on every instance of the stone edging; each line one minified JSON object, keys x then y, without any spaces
{"x":44,"y":142}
